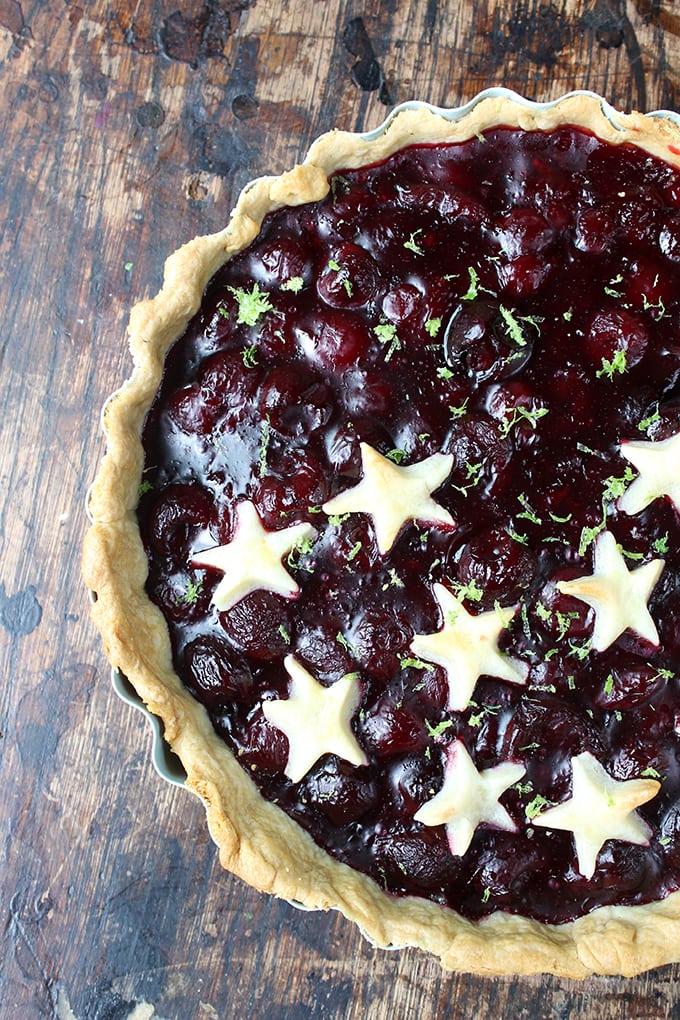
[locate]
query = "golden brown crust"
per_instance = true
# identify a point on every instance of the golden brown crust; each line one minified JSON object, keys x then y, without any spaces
{"x":256,"y":840}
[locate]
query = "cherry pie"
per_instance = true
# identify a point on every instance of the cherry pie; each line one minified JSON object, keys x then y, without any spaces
{"x":388,"y":532}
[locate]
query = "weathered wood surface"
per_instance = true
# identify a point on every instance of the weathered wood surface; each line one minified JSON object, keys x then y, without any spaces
{"x":125,"y":130}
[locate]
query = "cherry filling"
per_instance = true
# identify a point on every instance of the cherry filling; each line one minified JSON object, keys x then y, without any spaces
{"x":511,"y":303}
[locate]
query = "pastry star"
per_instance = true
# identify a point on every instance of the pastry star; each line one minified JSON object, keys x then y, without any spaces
{"x":600,"y":808}
{"x":316,"y":719}
{"x":659,"y":473}
{"x":619,"y":596}
{"x":469,"y":797}
{"x":252,"y":559}
{"x":467,"y":648}
{"x":393,"y":495}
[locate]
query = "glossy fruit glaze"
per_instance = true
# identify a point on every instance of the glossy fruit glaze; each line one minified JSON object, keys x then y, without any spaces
{"x":509,"y":271}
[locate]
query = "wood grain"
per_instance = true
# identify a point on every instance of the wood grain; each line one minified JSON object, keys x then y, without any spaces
{"x":125,"y":130}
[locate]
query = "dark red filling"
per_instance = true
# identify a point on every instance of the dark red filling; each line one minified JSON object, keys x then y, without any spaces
{"x":533,"y":281}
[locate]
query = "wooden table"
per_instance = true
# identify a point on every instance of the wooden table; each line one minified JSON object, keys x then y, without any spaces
{"x":125,"y":131}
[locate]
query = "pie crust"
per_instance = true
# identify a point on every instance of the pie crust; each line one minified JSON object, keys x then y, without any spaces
{"x":256,"y":840}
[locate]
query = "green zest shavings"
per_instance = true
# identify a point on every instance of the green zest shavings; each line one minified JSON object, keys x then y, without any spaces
{"x":190,"y":596}
{"x":386,"y":333}
{"x":516,"y":415}
{"x":452,"y":615}
{"x":458,"y":412}
{"x":611,"y":290}
{"x":294,"y":284}
{"x":249,"y":356}
{"x":611,"y":368}
{"x":564,"y":621}
{"x":397,"y":456}
{"x":660,"y":545}
{"x":302,"y":548}
{"x":528,"y":514}
{"x":470,"y":591}
{"x":629,"y":555}
{"x":614,"y":488}
{"x":339,"y":184}
{"x":394,"y":580}
{"x":581,"y":652}
{"x":354,"y":551}
{"x":515,"y":331}
{"x":252,"y":304}
{"x":436,"y":731}
{"x":543,"y":613}
{"x":473,"y":475}
{"x":346,"y":282}
{"x":651,"y":419}
{"x":513,"y":325}
{"x":535,"y":806}
{"x":410,"y":662}
{"x":522,"y":538}
{"x":657,"y":306}
{"x":335,"y":520}
{"x":344,"y":643}
{"x":412,"y":244}
{"x":588,"y":535}
{"x":523,"y":787}
{"x":433,"y":326}
{"x":473,"y":290}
